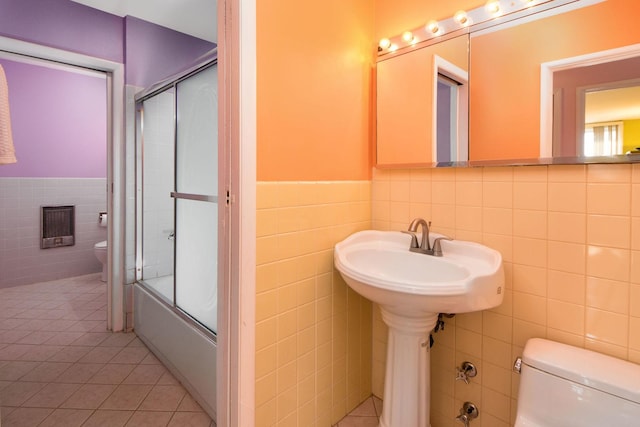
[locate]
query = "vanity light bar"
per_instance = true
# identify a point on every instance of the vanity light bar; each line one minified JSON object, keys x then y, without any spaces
{"x":462,"y":22}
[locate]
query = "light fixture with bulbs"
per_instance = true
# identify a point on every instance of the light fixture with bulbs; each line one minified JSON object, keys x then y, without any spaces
{"x":493,"y":12}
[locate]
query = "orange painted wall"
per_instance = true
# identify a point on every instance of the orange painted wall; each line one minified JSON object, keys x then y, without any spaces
{"x":314,"y":78}
{"x":505,"y":72}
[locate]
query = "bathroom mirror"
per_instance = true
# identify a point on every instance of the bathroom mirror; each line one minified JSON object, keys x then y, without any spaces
{"x":533,"y":86}
{"x":422,"y":96}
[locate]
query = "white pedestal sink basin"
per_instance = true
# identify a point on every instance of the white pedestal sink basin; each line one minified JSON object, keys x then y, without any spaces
{"x":411,"y":289}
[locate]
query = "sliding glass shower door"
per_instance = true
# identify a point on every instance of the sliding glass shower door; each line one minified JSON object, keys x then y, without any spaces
{"x":178,"y":183}
{"x":196,"y":195}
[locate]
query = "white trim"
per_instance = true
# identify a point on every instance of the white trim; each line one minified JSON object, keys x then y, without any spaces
{"x":247,"y":274}
{"x":546,"y":85}
{"x":442,"y":66}
{"x":237,"y":295}
{"x":115,"y":163}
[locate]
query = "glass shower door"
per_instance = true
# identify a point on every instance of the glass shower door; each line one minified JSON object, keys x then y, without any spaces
{"x":158,"y":155}
{"x":196,"y":196}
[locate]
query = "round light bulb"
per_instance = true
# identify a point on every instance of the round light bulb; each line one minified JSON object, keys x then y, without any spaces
{"x":407,"y":36}
{"x":432,"y":27}
{"x":384,"y":43}
{"x":493,"y":6}
{"x":393,"y":47}
{"x":461,"y":17}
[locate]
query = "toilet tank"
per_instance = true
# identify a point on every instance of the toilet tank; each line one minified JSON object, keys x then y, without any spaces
{"x":566,"y":386}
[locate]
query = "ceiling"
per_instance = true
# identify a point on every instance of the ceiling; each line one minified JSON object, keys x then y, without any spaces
{"x":612,"y":105}
{"x":194,"y":17}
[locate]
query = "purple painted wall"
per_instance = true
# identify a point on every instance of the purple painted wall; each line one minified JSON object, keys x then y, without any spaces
{"x":153,"y":53}
{"x":59,"y":122}
{"x":59,"y":118}
{"x":64,"y":24}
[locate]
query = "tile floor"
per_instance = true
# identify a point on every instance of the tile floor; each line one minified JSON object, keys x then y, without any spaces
{"x":365,"y":415}
{"x":60,"y":367}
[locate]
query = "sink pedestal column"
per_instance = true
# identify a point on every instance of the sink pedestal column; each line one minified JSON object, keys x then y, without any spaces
{"x":406,"y":400}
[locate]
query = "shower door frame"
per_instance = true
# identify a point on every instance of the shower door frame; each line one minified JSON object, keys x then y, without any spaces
{"x":208,"y":60}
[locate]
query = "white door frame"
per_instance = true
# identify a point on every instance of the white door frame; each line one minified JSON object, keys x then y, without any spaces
{"x":237,"y":294}
{"x":115,"y":162}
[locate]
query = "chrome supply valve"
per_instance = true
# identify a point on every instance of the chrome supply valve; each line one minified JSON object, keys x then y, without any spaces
{"x":465,"y":371}
{"x":468,"y":412}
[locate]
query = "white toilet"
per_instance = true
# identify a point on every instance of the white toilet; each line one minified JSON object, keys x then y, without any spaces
{"x":100,"y":248}
{"x":566,"y":386}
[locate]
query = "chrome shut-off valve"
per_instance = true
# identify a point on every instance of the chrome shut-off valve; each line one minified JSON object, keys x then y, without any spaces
{"x":465,"y":371}
{"x":468,"y":412}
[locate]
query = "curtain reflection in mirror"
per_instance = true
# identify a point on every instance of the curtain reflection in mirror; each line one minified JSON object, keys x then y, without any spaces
{"x":603,"y":139}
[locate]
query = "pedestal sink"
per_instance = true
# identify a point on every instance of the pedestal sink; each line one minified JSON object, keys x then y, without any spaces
{"x":412,"y":289}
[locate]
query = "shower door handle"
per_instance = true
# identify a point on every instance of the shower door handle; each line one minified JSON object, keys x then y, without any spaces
{"x":198,"y":197}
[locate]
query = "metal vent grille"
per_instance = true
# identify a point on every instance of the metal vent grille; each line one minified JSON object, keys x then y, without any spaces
{"x":58,"y":226}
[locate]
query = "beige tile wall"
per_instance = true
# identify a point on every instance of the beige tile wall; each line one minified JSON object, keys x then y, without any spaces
{"x":313,"y":334}
{"x":570,"y":239}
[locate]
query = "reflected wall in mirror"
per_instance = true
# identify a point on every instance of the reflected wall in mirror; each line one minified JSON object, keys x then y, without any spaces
{"x":597,"y":93}
{"x":505,"y":78}
{"x":422,"y":97}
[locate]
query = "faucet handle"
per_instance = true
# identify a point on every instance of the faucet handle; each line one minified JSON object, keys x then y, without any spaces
{"x":437,"y":246}
{"x":414,"y":239}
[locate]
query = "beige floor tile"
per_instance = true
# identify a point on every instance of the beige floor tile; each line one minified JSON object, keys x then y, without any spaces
{"x":66,"y":418}
{"x":14,"y":370}
{"x":190,"y":419}
{"x":108,"y":418}
{"x":355,"y":421}
{"x":51,"y":395}
{"x":145,"y":374}
{"x":377,"y":402}
{"x":15,"y":394}
{"x":40,"y":353}
{"x":149,"y":419}
{"x":366,"y":409}
{"x":100,"y":355}
{"x":126,"y":397}
{"x":189,"y":404}
{"x":130,"y":355}
{"x":91,"y":339}
{"x":79,"y":373}
{"x":32,"y":325}
{"x":58,"y":325}
{"x":69,"y":354}
{"x":14,"y":351}
{"x":26,"y":417}
{"x":76,"y":373}
{"x":37,"y":337}
{"x":118,"y":340}
{"x":64,"y":338}
{"x":163,"y":398}
{"x":89,"y":396}
{"x":150,"y":360}
{"x":112,"y":373}
{"x":46,"y":372}
{"x":168,"y":379}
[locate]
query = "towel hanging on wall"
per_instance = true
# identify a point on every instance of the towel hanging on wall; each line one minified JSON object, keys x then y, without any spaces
{"x":7,"y":151}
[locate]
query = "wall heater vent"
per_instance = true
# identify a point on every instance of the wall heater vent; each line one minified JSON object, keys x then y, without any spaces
{"x":58,"y":226}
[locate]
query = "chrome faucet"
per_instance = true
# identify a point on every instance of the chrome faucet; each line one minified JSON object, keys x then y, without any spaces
{"x":425,"y":246}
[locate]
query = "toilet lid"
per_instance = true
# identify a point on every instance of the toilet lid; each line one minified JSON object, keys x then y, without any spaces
{"x":101,"y":245}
